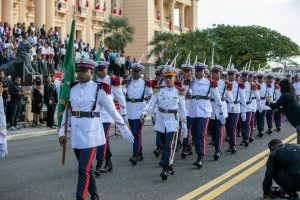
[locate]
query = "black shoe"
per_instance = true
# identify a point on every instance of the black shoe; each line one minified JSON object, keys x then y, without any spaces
{"x":229,"y":149}
{"x":189,"y":150}
{"x":42,"y":122}
{"x":95,"y":197}
{"x":278,"y":129}
{"x":157,"y":151}
{"x":199,"y":162}
{"x":246,"y":143}
{"x":242,"y":143}
{"x":160,"y":163}
{"x":183,"y":153}
{"x":164,"y":175}
{"x":107,"y":167}
{"x":260,"y":134}
{"x":269,"y":132}
{"x":140,"y":156}
{"x":251,"y":139}
{"x":134,"y":159}
{"x":293,"y":196}
{"x":98,"y":168}
{"x":170,"y":170}
{"x":233,"y":149}
{"x":217,"y":155}
{"x":227,"y":139}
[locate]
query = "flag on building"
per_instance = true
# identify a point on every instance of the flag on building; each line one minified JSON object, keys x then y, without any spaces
{"x":158,"y":15}
{"x":69,"y":76}
{"x":120,"y":10}
{"x":87,"y":3}
{"x":115,"y":9}
{"x":104,"y":6}
{"x":170,"y":23}
{"x":97,"y":7}
{"x":78,"y":6}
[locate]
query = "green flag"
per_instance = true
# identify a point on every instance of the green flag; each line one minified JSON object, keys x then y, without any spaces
{"x":69,"y":76}
{"x":97,"y":58}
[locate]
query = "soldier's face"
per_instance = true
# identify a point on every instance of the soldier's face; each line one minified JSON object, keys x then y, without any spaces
{"x":216,"y":75}
{"x":102,"y":73}
{"x":186,"y":73}
{"x":199,"y":73}
{"x":84,"y":75}
{"x":170,"y":80}
{"x":245,"y":78}
{"x":136,"y":74}
{"x":250,"y":78}
{"x":231,"y":77}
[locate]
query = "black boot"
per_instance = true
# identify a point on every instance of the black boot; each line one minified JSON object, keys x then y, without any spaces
{"x":242,"y":143}
{"x":278,"y":129}
{"x":189,"y":150}
{"x":183,"y":153}
{"x":217,"y":155}
{"x":134,"y":159}
{"x":269,"y":132}
{"x":140,"y":156}
{"x":164,"y":174}
{"x":251,"y":139}
{"x":95,"y":197}
{"x":108,"y":167}
{"x":170,"y":170}
{"x":199,"y":162}
{"x":233,"y":149}
{"x":157,"y":151}
{"x":246,"y":143}
{"x":260,"y":134}
{"x":98,"y":168}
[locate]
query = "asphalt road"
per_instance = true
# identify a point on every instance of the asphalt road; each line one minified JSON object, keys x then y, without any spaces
{"x":32,"y":170}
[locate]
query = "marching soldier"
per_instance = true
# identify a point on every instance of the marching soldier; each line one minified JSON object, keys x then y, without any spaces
{"x":239,"y":100}
{"x":186,"y":84}
{"x":216,"y":125}
{"x":202,"y":90}
{"x":87,"y":98}
{"x":276,"y":96}
{"x":3,"y":142}
{"x":103,"y":151}
{"x":171,"y":105}
{"x":296,"y":85}
{"x":137,"y":91}
{"x":270,"y":112}
{"x":50,"y":65}
{"x":261,"y":115}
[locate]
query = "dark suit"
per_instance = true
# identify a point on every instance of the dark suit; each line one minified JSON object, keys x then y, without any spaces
{"x":15,"y":103}
{"x":50,"y":94}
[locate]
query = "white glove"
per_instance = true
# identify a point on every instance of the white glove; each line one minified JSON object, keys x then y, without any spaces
{"x":143,"y":116}
{"x":3,"y":149}
{"x":125,"y":119}
{"x":184,"y":130}
{"x":183,"y":119}
{"x":243,"y":116}
{"x":127,"y":135}
{"x":222,"y":119}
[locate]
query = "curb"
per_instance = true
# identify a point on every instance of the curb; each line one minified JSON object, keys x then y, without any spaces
{"x":30,"y":134}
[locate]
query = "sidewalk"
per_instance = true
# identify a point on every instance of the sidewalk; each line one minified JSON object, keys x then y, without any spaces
{"x":30,"y":132}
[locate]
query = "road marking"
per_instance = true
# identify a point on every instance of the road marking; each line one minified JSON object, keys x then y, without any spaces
{"x":230,"y":173}
{"x":219,"y":190}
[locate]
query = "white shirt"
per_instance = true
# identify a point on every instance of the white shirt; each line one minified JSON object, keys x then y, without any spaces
{"x":297,"y":88}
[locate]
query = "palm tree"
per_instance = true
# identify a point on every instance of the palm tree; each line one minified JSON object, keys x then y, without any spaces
{"x":119,"y":33}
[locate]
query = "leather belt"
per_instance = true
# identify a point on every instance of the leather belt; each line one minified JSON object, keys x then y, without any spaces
{"x":222,"y":99}
{"x":262,"y":98}
{"x":134,"y":100}
{"x":248,"y":102}
{"x":167,"y":111}
{"x":198,"y":97}
{"x":235,"y":102}
{"x":253,"y":98}
{"x":80,"y":114}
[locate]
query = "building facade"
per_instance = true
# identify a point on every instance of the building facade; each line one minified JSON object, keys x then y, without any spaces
{"x":146,"y":16}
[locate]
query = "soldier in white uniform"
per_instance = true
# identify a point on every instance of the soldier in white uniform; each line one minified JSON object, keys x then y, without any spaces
{"x":103,"y":151}
{"x":137,"y":91}
{"x":239,"y":100}
{"x":202,"y":90}
{"x":216,"y":126}
{"x":3,"y":142}
{"x":296,"y":85}
{"x":171,"y":104}
{"x":86,"y":100}
{"x":270,"y":112}
{"x":186,"y":131}
{"x":263,"y":93}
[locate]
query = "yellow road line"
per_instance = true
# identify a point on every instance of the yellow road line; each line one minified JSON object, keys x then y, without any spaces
{"x":219,"y":190}
{"x":230,"y":173}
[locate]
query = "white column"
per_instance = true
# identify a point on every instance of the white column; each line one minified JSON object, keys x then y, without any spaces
{"x":39,"y":13}
{"x":7,"y":14}
{"x":172,"y":5}
{"x":1,"y":11}
{"x":182,"y":16}
{"x":50,"y":14}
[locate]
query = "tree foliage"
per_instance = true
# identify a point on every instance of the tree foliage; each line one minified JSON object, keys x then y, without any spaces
{"x":119,"y":33}
{"x":243,"y":43}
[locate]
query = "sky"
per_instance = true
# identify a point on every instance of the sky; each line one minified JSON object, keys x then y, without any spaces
{"x":280,"y":15}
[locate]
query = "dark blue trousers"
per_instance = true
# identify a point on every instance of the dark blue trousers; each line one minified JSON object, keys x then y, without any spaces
{"x":261,"y":120}
{"x":252,"y":124}
{"x":216,"y":130}
{"x":136,"y":127}
{"x":199,"y":130}
{"x":86,"y":179}
{"x":187,"y":140}
{"x":232,"y":121}
{"x":103,"y":151}
{"x":158,"y":139}
{"x":270,"y":115}
{"x":246,"y":126}
{"x":277,"y":119}
{"x":168,"y":140}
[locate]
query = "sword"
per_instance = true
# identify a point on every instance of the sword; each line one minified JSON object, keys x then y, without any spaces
{"x":176,"y":140}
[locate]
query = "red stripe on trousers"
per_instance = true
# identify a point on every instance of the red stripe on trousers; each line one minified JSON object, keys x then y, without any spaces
{"x":105,"y":146}
{"x":140,"y":137}
{"x":87,"y":172}
{"x":221,"y":137}
{"x":204,"y":135}
{"x":249,"y":125}
{"x":234,"y":128}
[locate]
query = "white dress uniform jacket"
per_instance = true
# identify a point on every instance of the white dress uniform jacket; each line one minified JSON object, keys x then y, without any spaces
{"x":167,"y":99}
{"x":238,"y":96}
{"x":263,"y":93}
{"x":3,"y":142}
{"x":137,"y":89}
{"x":88,"y":132}
{"x":297,"y":88}
{"x":116,"y":93}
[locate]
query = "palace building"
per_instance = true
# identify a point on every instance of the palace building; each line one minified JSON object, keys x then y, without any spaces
{"x":148,"y":17}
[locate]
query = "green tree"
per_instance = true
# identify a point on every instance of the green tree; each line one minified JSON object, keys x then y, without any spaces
{"x":118,"y":33}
